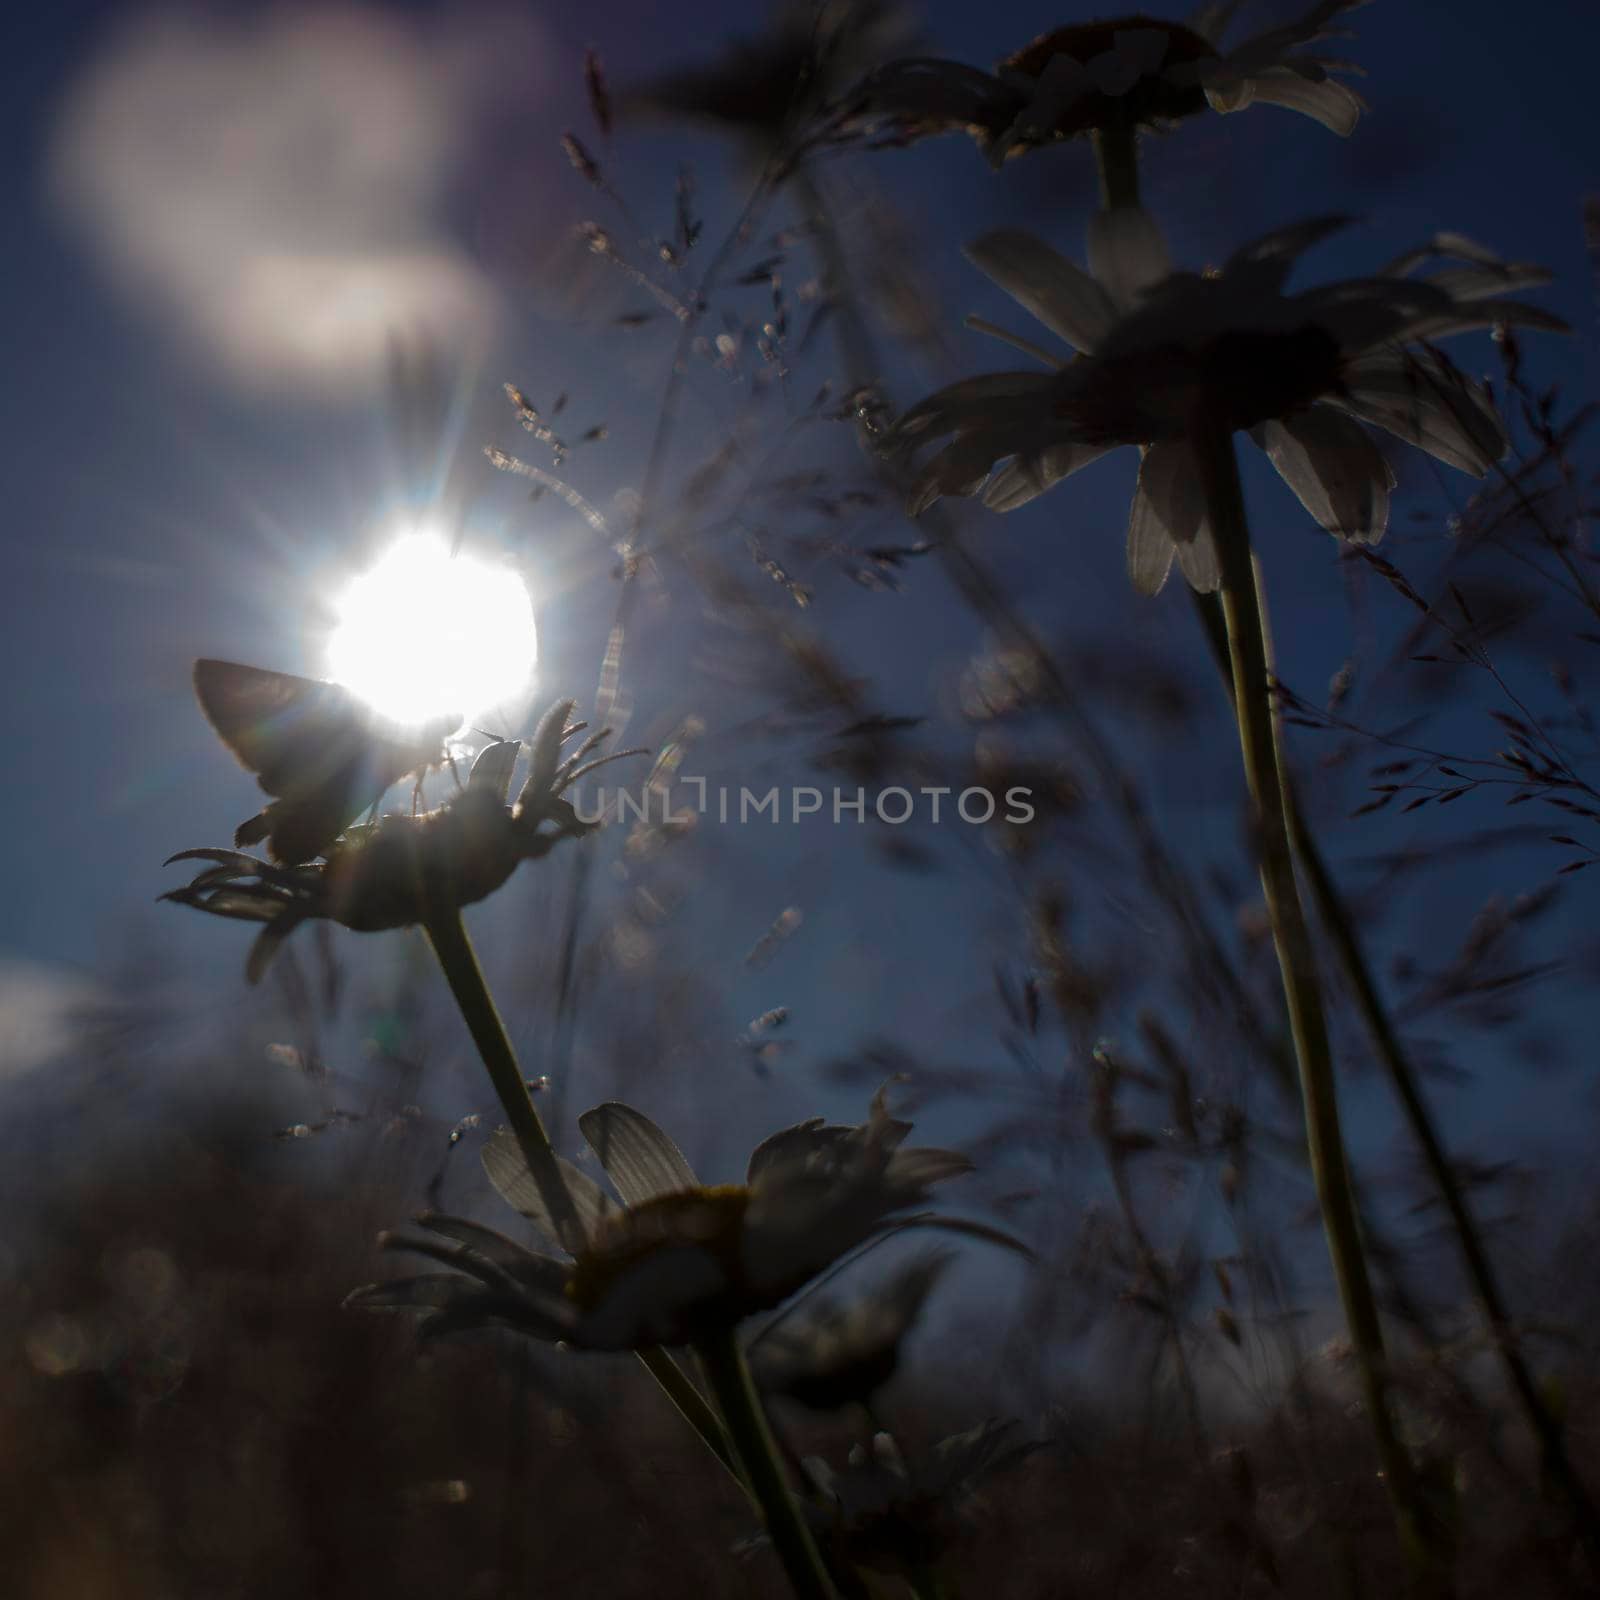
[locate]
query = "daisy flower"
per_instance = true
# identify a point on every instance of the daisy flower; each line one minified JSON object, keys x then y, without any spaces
{"x":840,"y":1355}
{"x":762,"y":87}
{"x":675,"y":1261}
{"x":1161,"y":351}
{"x":405,"y":870}
{"x":1119,"y":74}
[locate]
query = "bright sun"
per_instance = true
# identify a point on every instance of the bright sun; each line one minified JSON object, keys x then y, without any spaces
{"x":423,"y":633}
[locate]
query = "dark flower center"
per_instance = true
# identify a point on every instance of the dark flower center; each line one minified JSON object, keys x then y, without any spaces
{"x":1242,"y":376}
{"x":1252,"y":376}
{"x":1152,"y":99}
{"x":709,"y":1219}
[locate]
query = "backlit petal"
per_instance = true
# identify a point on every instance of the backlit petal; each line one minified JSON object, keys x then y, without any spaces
{"x":1338,"y":473}
{"x":508,"y":1172}
{"x":1062,"y":296}
{"x":1336,"y":107}
{"x":1159,"y":504}
{"x":640,"y":1160}
{"x":1127,"y":253}
{"x":1027,"y":477}
{"x":1420,"y":397}
{"x":1198,"y":561}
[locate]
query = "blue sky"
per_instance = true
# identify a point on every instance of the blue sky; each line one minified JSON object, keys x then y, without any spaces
{"x":178,"y":486}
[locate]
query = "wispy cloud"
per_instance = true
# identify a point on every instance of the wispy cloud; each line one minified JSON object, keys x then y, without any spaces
{"x":276,"y":188}
{"x":37,"y":1008}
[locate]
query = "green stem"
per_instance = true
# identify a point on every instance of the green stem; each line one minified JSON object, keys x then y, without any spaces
{"x":693,"y":1407}
{"x":459,"y":961}
{"x":729,"y":1378}
{"x":1340,"y":928}
{"x":1265,"y":775}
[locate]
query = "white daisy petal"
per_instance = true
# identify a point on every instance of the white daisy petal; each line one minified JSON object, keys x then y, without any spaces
{"x":1027,"y":477}
{"x":1157,"y":343}
{"x":1150,"y":548}
{"x":811,"y":1140}
{"x":1015,"y":340}
{"x":1228,"y":94}
{"x":1362,"y":313}
{"x":1336,"y":107}
{"x":1428,"y":374}
{"x":1167,"y":509}
{"x":1420,"y":397}
{"x":508,"y":1172}
{"x":1465,"y":249}
{"x":1477,"y":314}
{"x":1063,"y":297}
{"x":1199,"y":562}
{"x":943,"y":91}
{"x":1267,"y":49}
{"x":958,"y":469}
{"x":1338,"y":473}
{"x":495,"y":1250}
{"x":1127,"y":253}
{"x":1170,"y":475}
{"x":1169,"y":480}
{"x":1287,"y":243}
{"x":1452,"y":246}
{"x":1426,"y":425}
{"x":640,"y":1160}
{"x":1480,"y":283}
{"x":968,"y":400}
{"x":1210,"y":21}
{"x":909,"y":1172}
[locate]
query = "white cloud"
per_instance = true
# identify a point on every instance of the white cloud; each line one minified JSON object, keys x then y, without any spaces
{"x":37,"y":1009}
{"x":276,"y":187}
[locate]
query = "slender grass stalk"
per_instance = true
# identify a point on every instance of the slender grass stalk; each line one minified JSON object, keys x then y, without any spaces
{"x":1265,"y":774}
{"x":459,"y":961}
{"x":1340,"y":929}
{"x":728,"y":1376}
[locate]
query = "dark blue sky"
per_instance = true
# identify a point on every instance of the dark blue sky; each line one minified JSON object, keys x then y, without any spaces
{"x":156,"y":510}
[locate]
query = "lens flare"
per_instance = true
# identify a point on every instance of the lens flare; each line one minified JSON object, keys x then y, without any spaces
{"x":424,"y":633}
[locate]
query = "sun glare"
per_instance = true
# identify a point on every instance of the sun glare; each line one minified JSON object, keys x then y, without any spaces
{"x":424,"y":633}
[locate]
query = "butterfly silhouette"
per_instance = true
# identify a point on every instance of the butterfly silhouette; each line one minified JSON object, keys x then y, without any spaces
{"x":319,"y":749}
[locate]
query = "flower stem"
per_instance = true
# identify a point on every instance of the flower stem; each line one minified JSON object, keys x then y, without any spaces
{"x":1266,"y":776}
{"x":1117,"y":156}
{"x":448,"y":936}
{"x":729,"y":1377}
{"x":692,"y":1406}
{"x":1335,"y":917}
{"x":459,"y":961}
